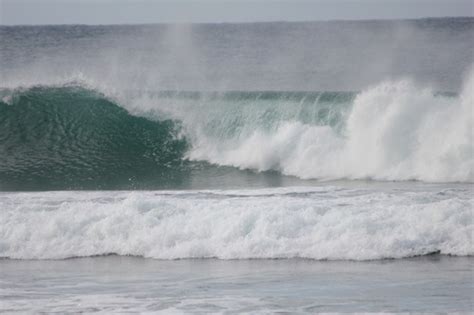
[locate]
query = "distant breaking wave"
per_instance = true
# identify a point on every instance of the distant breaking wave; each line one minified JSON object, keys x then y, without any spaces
{"x":72,"y":137}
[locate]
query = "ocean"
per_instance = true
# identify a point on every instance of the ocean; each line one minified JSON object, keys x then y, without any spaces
{"x":226,"y":168}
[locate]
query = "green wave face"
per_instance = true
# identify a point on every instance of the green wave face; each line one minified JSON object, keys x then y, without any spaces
{"x":74,"y":138}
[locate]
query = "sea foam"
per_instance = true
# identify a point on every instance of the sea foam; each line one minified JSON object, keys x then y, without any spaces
{"x":317,"y":223}
{"x":394,"y":131}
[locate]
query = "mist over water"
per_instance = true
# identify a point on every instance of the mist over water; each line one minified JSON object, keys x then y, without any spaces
{"x":314,"y":56}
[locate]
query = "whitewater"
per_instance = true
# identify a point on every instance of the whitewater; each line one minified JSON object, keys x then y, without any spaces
{"x":332,"y":220}
{"x":342,"y":140}
{"x":319,"y":223}
{"x":391,"y":131}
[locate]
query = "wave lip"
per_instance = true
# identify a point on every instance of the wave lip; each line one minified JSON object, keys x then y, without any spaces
{"x":325,"y":223}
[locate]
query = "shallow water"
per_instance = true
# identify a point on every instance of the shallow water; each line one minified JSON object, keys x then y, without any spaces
{"x":132,"y":284}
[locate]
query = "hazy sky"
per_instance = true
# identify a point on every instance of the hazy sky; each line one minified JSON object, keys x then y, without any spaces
{"x":163,"y":11}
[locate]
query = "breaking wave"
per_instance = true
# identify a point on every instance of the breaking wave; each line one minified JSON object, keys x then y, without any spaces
{"x":72,"y":137}
{"x":313,"y":222}
{"x":392,"y":131}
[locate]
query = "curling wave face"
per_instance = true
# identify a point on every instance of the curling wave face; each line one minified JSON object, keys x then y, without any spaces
{"x":73,"y":137}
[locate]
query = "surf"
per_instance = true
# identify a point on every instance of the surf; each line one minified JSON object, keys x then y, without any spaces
{"x":322,"y":223}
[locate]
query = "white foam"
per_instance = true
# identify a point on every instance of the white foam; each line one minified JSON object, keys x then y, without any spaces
{"x":317,"y":223}
{"x":395,"y":131}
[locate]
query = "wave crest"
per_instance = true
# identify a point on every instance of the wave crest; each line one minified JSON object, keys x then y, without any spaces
{"x":394,"y":131}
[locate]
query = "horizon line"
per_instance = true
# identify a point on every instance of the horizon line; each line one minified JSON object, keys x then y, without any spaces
{"x":249,"y":22}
